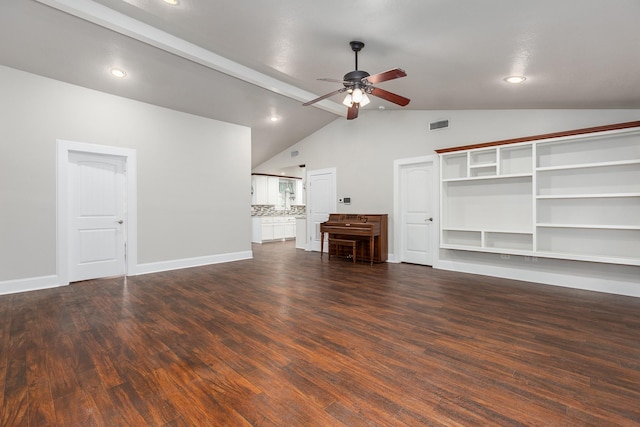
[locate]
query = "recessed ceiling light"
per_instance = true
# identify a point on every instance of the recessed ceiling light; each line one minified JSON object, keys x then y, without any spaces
{"x":118,"y":72}
{"x":274,"y":118}
{"x":172,"y":2}
{"x":515,"y":79}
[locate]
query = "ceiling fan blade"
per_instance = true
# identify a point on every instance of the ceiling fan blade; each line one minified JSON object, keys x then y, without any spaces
{"x":335,"y":92}
{"x":352,"y":113}
{"x":389,"y":96}
{"x":386,"y":75}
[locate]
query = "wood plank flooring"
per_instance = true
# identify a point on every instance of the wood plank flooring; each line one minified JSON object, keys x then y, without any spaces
{"x":288,"y":339}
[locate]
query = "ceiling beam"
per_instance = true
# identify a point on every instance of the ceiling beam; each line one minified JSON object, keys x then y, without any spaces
{"x":125,"y":25}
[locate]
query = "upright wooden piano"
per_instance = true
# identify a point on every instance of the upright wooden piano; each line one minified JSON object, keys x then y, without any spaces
{"x":369,"y":231}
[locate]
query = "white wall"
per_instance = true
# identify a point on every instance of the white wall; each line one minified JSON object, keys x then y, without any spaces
{"x":363,"y":151}
{"x":193,"y":175}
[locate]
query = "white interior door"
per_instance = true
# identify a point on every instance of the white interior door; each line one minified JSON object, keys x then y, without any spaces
{"x":416,"y":213}
{"x":321,"y":201}
{"x":96,"y":215}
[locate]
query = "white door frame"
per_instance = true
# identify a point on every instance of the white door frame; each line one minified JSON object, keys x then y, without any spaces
{"x":309,"y":193}
{"x":435,"y":203}
{"x":63,"y":148}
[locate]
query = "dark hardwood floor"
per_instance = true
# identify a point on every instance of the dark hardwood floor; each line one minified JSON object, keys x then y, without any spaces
{"x":288,"y":339}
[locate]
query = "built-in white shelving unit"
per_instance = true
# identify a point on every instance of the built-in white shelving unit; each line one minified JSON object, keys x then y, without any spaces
{"x":573,"y":195}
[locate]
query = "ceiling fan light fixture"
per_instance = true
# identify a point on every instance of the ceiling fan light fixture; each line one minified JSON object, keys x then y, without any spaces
{"x":359,"y":84}
{"x":357,"y":95}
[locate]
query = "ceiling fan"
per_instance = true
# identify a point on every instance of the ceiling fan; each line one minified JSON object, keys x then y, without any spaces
{"x":358,"y":84}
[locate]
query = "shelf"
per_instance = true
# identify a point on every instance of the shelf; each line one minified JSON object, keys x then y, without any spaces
{"x":483,"y":171}
{"x":487,"y":165}
{"x":623,"y":177}
{"x":588,"y":196}
{"x":462,"y":238}
{"x":594,"y":242}
{"x":482,"y":157}
{"x":589,"y":258}
{"x":489,"y":250}
{"x":515,"y":159}
{"x":505,"y":203}
{"x":573,"y":197}
{"x":590,"y":149}
{"x":477,"y":178}
{"x":495,"y":240}
{"x":589,"y":226}
{"x":454,"y":166}
{"x":589,"y":165}
{"x":508,"y":241}
{"x":460,"y":229}
{"x":501,"y":230}
{"x":549,"y":254}
{"x":620,"y":212}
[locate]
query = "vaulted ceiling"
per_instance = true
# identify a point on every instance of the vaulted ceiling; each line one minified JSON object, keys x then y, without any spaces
{"x":244,"y":62}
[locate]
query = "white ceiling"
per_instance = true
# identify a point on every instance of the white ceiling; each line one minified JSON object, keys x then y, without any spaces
{"x":242,"y":62}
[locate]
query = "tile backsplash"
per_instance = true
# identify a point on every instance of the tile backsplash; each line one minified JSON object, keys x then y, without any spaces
{"x":270,"y":210}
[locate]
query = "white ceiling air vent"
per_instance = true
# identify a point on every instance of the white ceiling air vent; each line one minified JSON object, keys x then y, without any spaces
{"x":294,"y":153}
{"x":439,"y":125}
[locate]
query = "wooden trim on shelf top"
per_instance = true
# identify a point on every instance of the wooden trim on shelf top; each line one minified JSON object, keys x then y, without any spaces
{"x":604,"y":128}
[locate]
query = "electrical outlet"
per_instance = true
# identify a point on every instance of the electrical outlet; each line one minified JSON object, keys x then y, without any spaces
{"x":505,"y":256}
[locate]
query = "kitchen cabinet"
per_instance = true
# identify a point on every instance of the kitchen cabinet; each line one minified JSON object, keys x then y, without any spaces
{"x":301,"y":233}
{"x":290,"y":228}
{"x":259,"y":190}
{"x":278,"y":227}
{"x":265,"y":190}
{"x":266,"y":229}
{"x":273,"y":228}
{"x":300,"y":199}
{"x":273,"y":191}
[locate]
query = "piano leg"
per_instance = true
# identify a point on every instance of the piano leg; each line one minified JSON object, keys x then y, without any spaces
{"x":371,"y":248}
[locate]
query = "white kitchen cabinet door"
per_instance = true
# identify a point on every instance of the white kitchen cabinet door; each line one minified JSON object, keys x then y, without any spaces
{"x":278,"y":227}
{"x":290,"y":230}
{"x":273,"y":190}
{"x":260,"y":190}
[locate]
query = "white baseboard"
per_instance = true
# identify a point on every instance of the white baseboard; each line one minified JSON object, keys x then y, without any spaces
{"x":29,"y":284}
{"x":610,"y":286}
{"x":392,"y":258}
{"x":46,"y":282}
{"x":156,"y":267}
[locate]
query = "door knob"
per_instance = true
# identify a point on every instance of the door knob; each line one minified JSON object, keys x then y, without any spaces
{"x":429,"y":219}
{"x":120,"y":221}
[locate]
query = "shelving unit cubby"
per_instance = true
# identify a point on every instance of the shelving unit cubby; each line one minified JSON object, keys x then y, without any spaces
{"x":569,"y":195}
